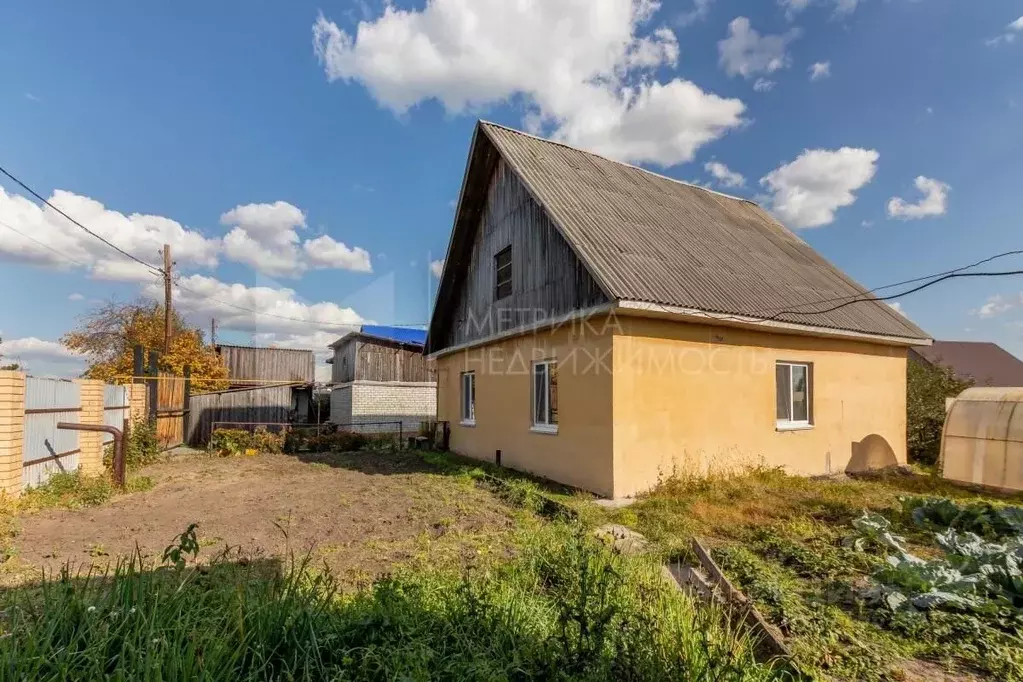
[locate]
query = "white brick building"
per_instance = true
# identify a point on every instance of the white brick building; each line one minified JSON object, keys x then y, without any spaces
{"x":379,"y":375}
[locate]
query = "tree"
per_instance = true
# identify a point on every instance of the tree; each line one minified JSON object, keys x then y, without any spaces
{"x":927,"y":386}
{"x":107,"y":336}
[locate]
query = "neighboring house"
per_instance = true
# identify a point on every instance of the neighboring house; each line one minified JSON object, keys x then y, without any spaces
{"x":379,"y":375}
{"x":986,"y":364}
{"x":605,"y":327}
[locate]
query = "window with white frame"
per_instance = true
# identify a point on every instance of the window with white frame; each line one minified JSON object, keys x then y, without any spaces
{"x":794,"y":394}
{"x":469,"y":397}
{"x":545,"y":396}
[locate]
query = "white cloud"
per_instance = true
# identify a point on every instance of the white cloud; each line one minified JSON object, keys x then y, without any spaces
{"x":819,"y":70}
{"x":699,"y":12}
{"x":265,"y":237}
{"x":437,"y":267}
{"x":746,"y":53}
{"x":32,"y":98}
{"x":897,"y":307}
{"x":763,"y":85}
{"x":1011,"y":29}
{"x":31,"y":348}
{"x":934,"y":201}
{"x":76,"y":297}
{"x":582,"y":69}
{"x":867,"y":223}
{"x":930,"y":110}
{"x":993,"y":307}
{"x":808,"y":191}
{"x":724,"y":175}
{"x":279,"y":311}
{"x":48,"y":239}
{"x":794,"y":7}
{"x":325,"y":252}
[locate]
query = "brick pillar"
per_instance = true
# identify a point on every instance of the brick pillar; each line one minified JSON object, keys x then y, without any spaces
{"x":12,"y":430}
{"x":137,"y":400}
{"x":89,"y":442}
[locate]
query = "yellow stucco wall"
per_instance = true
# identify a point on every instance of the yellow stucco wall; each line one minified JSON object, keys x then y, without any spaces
{"x":690,"y":397}
{"x":641,"y":398}
{"x":580,"y":453}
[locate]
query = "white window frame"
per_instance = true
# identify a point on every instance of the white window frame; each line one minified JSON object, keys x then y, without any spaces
{"x":795,"y":424}
{"x":470,"y":418}
{"x":546,"y":426}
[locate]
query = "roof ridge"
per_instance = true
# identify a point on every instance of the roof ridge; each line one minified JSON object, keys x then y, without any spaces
{"x":620,"y":163}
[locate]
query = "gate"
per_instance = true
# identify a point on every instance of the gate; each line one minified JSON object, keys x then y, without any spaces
{"x":47,"y":448}
{"x":171,"y":408}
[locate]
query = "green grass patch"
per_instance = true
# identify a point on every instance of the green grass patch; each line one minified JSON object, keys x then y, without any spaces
{"x":564,"y":608}
{"x":72,"y":490}
{"x":784,"y":541}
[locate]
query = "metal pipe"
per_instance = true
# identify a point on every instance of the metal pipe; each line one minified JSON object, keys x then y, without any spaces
{"x":118,"y":444}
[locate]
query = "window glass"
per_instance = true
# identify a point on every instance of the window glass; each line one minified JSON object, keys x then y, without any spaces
{"x":800,"y":395}
{"x":540,"y":394}
{"x":468,"y":396}
{"x":503,"y":276}
{"x":783,"y":392}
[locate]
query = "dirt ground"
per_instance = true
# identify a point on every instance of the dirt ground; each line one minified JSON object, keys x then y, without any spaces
{"x":360,"y":513}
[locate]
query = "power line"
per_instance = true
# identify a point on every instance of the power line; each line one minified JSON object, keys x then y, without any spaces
{"x":898,"y":284}
{"x":949,"y":275}
{"x":75,"y":222}
{"x":45,"y":246}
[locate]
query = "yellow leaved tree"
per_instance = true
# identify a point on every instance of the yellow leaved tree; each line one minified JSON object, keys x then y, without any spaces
{"x":107,"y":336}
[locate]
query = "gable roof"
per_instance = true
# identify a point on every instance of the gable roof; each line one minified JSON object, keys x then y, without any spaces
{"x":650,"y":239}
{"x":400,"y":335}
{"x":987,"y":364}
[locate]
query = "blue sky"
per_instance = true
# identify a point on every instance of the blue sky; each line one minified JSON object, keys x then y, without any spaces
{"x":259,"y":128}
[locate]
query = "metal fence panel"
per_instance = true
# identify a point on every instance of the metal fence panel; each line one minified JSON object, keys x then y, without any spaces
{"x":115,"y":408}
{"x":48,"y":449}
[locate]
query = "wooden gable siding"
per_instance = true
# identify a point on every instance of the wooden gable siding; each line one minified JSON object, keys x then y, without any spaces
{"x":343,"y":368}
{"x":548,"y":280}
{"x":248,"y":366}
{"x":365,"y":359}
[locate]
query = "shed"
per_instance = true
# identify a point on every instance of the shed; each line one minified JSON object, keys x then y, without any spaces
{"x":253,"y":366}
{"x":982,"y":442}
{"x":272,"y":407}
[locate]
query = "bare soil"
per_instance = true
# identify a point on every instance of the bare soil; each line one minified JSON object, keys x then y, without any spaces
{"x":360,"y":513}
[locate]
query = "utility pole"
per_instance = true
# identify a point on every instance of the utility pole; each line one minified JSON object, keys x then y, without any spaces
{"x":166,"y":298}
{"x":213,"y":331}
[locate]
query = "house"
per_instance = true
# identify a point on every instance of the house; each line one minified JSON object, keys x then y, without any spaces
{"x":604,"y":326}
{"x":380,"y":379}
{"x":984,"y":363}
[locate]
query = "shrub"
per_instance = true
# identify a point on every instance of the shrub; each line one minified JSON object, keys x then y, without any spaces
{"x":232,"y":442}
{"x":141,"y":449}
{"x":70,"y":490}
{"x":926,"y":389}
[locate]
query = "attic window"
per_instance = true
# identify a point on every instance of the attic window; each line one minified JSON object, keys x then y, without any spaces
{"x":503,"y":270}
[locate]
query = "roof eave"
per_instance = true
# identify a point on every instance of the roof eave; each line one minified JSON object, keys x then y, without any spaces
{"x":647,"y":309}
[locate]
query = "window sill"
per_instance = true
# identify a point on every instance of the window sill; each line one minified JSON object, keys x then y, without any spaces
{"x":792,"y":426}
{"x":548,"y":429}
{"x":467,"y":422}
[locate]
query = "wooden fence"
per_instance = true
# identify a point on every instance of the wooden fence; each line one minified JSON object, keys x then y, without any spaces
{"x":263,"y":405}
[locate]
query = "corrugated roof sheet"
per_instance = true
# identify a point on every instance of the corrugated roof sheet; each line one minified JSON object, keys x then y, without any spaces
{"x":652,"y":239}
{"x":987,"y":364}
{"x":416,"y":337}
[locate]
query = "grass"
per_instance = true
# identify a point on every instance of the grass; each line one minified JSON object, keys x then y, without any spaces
{"x":564,"y":608}
{"x":781,"y":540}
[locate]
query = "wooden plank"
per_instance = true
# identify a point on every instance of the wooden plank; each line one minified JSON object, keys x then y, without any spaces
{"x":548,"y":280}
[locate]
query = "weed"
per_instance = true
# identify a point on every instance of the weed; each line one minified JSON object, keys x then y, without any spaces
{"x":564,"y":609}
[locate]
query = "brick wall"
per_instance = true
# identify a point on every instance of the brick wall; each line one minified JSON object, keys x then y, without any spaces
{"x":384,"y":401}
{"x":12,"y":430}
{"x":137,"y":396}
{"x":90,"y":459}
